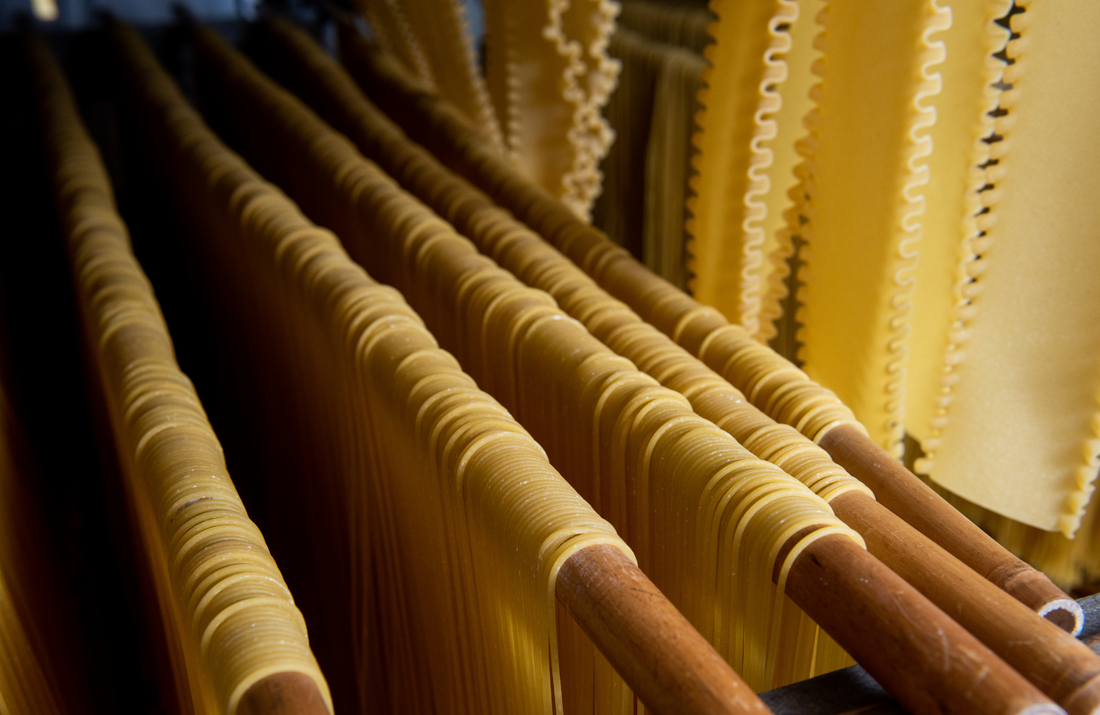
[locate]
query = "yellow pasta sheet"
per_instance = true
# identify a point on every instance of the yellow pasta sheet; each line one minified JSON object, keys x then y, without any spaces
{"x":549,"y":75}
{"x":736,"y":127}
{"x":951,"y":236}
{"x":864,"y":176}
{"x":1021,"y":436}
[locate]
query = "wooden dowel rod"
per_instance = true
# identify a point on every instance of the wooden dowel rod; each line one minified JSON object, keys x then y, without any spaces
{"x":664,"y":660}
{"x":1053,"y":660}
{"x":903,"y":493}
{"x":926,"y":661}
{"x":289,"y":693}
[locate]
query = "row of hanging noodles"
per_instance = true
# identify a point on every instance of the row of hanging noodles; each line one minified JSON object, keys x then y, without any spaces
{"x":867,"y":149}
{"x":437,"y":507}
{"x":912,"y":310}
{"x":301,"y":64}
{"x":635,"y":450}
{"x":238,"y":91}
{"x":439,"y":128}
{"x":770,"y":382}
{"x":227,"y":613}
{"x":643,"y":203}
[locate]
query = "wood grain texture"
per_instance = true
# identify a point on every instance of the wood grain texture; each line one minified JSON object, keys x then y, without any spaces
{"x":903,"y":493}
{"x":283,"y":694}
{"x":1053,"y":660}
{"x":927,"y":661}
{"x":664,"y":660}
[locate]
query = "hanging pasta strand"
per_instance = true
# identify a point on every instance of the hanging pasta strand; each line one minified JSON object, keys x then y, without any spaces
{"x":393,"y":31}
{"x":865,"y":179}
{"x":620,"y":208}
{"x":28,"y":681}
{"x":646,"y":171}
{"x":227,"y":613}
{"x":679,"y":25}
{"x":957,"y":211}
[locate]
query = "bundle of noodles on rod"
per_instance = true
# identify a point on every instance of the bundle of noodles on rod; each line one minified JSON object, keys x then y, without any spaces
{"x":228,"y":616}
{"x":769,"y":381}
{"x":1048,"y":656}
{"x":647,"y":169}
{"x":635,"y":449}
{"x":454,"y":527}
{"x":682,"y":25}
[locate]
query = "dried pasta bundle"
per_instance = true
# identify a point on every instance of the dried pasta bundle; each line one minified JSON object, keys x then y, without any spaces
{"x":680,"y":25}
{"x":646,"y":171}
{"x":549,"y":75}
{"x":620,"y":208}
{"x":451,"y":519}
{"x":1041,"y":403}
{"x":228,"y":615}
{"x":669,"y":158}
{"x":447,"y":47}
{"x":526,"y":255}
{"x":706,"y":518}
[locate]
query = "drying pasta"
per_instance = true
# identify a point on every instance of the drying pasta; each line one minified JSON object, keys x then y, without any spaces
{"x":223,"y":601}
{"x":1041,"y":396}
{"x":957,"y":211}
{"x":731,"y":247}
{"x":532,"y":260}
{"x":680,"y":25}
{"x":417,"y":477}
{"x":865,"y":200}
{"x":620,"y":208}
{"x":548,"y":75}
{"x":634,"y":449}
{"x":448,"y":50}
{"x":668,"y":169}
{"x":769,"y":381}
{"x":647,"y":169}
